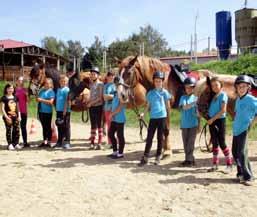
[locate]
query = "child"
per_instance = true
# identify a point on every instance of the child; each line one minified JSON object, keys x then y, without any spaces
{"x":109,"y":91}
{"x":189,"y":121}
{"x":45,"y":101}
{"x":22,"y":96}
{"x":63,"y":114}
{"x":217,"y":124}
{"x":118,"y":120}
{"x":95,"y":106}
{"x":245,"y":113}
{"x":158,"y":104}
{"x":11,"y":117}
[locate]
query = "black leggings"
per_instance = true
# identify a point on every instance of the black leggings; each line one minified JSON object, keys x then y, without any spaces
{"x":46,"y":119}
{"x":64,"y":131}
{"x":154,"y":124}
{"x":217,"y":131}
{"x":96,"y":115}
{"x":23,"y":125}
{"x":12,"y":131}
{"x":119,"y":128}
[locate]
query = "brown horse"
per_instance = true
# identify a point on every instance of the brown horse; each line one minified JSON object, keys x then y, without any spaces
{"x":137,"y":73}
{"x":204,"y":93}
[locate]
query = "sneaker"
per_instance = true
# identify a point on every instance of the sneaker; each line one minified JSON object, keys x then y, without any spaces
{"x":143,"y":161}
{"x":118,"y":156}
{"x":213,"y":168}
{"x":248,"y":182}
{"x":66,"y":146}
{"x":11,"y":147}
{"x":18,"y":147}
{"x":98,"y":147}
{"x":92,"y":146}
{"x":157,"y":160}
{"x":26,"y":145}
{"x":112,"y":155}
{"x":185,"y":163}
{"x":228,"y":169}
{"x":57,"y":145}
{"x":240,"y":178}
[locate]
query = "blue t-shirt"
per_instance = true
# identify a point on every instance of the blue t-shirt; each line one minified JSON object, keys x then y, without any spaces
{"x":61,"y":98}
{"x":157,"y":102}
{"x":46,"y":94}
{"x":188,"y":116}
{"x":246,"y":110}
{"x":109,"y":89}
{"x":121,"y":116}
{"x":216,"y":105}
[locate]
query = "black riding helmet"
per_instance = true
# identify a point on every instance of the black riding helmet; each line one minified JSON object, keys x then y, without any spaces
{"x":95,"y":69}
{"x":59,"y":122}
{"x":158,"y":74}
{"x":243,"y":79}
{"x":190,"y":81}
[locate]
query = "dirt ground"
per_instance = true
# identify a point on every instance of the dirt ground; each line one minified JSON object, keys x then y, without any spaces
{"x":82,"y":183}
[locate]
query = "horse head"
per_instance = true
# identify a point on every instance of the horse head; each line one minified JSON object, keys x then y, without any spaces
{"x":37,"y":78}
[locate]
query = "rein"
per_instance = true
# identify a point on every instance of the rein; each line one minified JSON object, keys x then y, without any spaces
{"x":207,"y":144}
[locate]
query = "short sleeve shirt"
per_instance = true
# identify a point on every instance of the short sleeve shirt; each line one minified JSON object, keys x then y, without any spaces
{"x":109,"y":89}
{"x":10,"y":105}
{"x":21,"y":94}
{"x":246,"y":110}
{"x":188,"y":116}
{"x":157,"y":102}
{"x":216,"y":104}
{"x":121,"y":116}
{"x":95,"y":91}
{"x":61,"y":98}
{"x":46,"y":94}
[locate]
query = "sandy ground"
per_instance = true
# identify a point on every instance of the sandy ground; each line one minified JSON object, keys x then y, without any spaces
{"x":83,"y":183}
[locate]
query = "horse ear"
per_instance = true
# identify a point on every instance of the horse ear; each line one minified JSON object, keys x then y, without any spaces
{"x":132,"y":62}
{"x":118,"y":61}
{"x":208,"y":81}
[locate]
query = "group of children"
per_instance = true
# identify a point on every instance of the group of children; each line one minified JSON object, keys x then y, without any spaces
{"x":106,"y":101}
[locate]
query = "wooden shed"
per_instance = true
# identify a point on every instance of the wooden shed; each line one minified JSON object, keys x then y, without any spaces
{"x":17,"y":58}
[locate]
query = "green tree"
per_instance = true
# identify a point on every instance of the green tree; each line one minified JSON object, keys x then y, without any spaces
{"x":53,"y":45}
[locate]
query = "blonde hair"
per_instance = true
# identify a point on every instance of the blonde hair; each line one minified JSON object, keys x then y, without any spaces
{"x":64,"y":77}
{"x":50,"y":80}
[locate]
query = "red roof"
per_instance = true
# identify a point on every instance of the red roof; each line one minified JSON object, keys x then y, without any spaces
{"x":9,"y":43}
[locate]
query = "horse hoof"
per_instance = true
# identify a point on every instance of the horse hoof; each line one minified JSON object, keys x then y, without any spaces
{"x":166,"y":156}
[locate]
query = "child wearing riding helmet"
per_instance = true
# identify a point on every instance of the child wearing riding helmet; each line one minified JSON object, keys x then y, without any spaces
{"x":217,"y":124}
{"x":63,"y":114}
{"x":158,"y":105}
{"x":11,"y":117}
{"x":118,"y":119}
{"x":45,"y":101}
{"x":245,"y":115}
{"x":22,"y":96}
{"x":95,"y":106}
{"x":189,"y":120}
{"x":109,"y":91}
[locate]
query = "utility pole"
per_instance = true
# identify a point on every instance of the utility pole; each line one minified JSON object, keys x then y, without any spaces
{"x":209,"y":45}
{"x":191,"y":49}
{"x":246,"y":2}
{"x":196,"y":17}
{"x":104,"y":61}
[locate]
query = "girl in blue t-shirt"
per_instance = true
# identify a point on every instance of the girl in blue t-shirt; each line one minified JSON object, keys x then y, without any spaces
{"x":245,"y":114}
{"x":45,"y":101}
{"x":118,"y":119}
{"x":217,"y":124}
{"x":189,"y":121}
{"x":158,"y":105}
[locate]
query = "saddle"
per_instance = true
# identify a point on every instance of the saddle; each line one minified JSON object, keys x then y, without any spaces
{"x":180,"y":73}
{"x":254,"y":80}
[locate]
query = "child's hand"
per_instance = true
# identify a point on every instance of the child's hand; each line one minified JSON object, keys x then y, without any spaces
{"x":141,"y":115}
{"x":210,"y":121}
{"x":38,"y":99}
{"x":9,"y":120}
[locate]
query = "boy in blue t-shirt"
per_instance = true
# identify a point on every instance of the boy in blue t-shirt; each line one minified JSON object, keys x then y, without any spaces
{"x":158,"y":104}
{"x":118,"y":119}
{"x":189,"y":121}
{"x":245,"y":114}
{"x":63,"y":114}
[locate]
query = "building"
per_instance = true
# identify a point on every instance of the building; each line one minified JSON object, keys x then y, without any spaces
{"x":17,"y":58}
{"x":200,"y":59}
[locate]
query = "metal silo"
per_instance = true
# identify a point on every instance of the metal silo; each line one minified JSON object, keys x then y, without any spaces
{"x":246,"y":28}
{"x":223,"y":34}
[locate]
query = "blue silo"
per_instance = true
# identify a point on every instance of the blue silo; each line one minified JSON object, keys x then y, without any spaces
{"x":223,"y":33}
